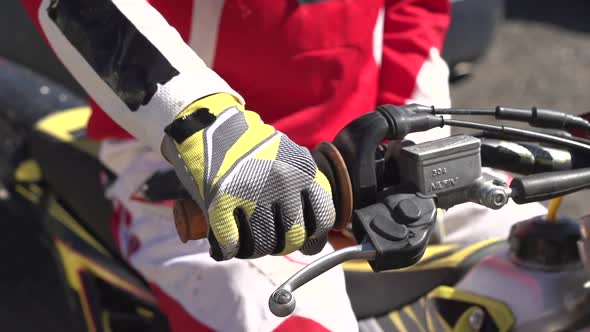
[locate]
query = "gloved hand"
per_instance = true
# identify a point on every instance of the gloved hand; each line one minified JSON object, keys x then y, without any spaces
{"x":260,"y":192}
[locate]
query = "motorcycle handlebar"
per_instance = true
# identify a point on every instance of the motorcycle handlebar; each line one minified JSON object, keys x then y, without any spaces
{"x":358,"y":141}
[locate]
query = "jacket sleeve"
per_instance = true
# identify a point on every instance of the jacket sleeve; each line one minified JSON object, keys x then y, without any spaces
{"x":128,"y":59}
{"x":411,"y":67}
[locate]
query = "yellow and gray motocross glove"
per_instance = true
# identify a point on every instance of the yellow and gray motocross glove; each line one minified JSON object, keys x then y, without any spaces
{"x":260,"y":192}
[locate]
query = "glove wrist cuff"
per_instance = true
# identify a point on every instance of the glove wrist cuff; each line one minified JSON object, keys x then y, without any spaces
{"x":199,"y":115}
{"x":215,"y":103}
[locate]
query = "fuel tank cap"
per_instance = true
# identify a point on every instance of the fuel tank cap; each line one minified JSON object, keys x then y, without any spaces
{"x":539,"y":244}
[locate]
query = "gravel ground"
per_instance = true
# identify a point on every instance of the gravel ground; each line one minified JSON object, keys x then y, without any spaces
{"x":541,"y":56}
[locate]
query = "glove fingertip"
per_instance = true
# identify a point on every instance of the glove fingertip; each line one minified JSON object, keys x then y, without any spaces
{"x":322,"y":180}
{"x":313,"y":246}
{"x":215,"y":251}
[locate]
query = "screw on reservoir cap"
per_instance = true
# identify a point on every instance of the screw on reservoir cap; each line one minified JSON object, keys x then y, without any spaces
{"x":544,"y":245}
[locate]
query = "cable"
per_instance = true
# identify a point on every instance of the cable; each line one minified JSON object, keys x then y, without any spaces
{"x":463,"y":111}
{"x":517,"y":132}
{"x":536,"y":117}
{"x":488,"y":134}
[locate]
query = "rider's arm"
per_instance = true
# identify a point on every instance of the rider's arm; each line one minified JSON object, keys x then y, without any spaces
{"x":412,"y":69}
{"x":261,"y":193}
{"x":129,"y":59}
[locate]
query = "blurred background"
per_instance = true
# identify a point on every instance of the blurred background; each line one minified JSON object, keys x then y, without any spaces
{"x":539,"y":55}
{"x":502,"y":52}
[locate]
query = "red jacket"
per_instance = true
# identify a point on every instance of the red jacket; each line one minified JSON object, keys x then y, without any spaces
{"x":310,"y":67}
{"x":307,"y":67}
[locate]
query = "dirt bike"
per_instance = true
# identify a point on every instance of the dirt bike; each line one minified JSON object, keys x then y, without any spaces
{"x":62,"y":270}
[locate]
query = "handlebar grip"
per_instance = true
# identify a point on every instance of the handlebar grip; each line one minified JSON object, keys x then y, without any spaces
{"x":544,"y":186}
{"x":189,"y":220}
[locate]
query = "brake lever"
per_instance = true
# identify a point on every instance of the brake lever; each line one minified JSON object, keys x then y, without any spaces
{"x":282,"y":302}
{"x":393,"y":234}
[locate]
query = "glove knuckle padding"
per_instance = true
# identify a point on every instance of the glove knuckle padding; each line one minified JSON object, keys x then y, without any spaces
{"x":241,"y":164}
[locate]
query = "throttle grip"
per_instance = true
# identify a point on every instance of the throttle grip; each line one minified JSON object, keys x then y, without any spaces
{"x":189,"y":220}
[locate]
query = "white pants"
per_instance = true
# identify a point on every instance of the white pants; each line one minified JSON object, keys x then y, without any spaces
{"x":198,"y":293}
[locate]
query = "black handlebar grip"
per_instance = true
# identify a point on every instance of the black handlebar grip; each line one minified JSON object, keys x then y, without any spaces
{"x":544,"y":186}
